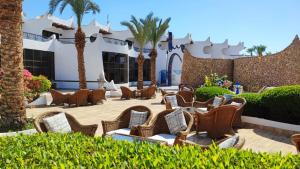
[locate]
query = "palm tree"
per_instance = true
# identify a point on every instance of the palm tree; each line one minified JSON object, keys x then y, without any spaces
{"x":260,"y":49}
{"x":12,"y":108}
{"x":251,"y":50}
{"x":140,"y":33}
{"x":158,"y":29}
{"x":80,"y":8}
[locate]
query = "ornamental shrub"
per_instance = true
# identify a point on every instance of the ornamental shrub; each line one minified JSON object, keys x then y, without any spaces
{"x":45,"y":84}
{"x":205,"y":93}
{"x":283,"y":103}
{"x":78,"y":151}
{"x":254,"y":106}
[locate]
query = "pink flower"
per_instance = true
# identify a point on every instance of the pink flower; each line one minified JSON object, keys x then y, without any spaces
{"x":27,"y":74}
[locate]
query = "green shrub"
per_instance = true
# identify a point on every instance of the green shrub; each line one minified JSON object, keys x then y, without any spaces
{"x":78,"y":151}
{"x":205,"y":93}
{"x":45,"y":84}
{"x":253,"y":107}
{"x":283,"y":103}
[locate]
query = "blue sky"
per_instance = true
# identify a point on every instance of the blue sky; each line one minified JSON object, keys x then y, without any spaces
{"x":273,"y":23}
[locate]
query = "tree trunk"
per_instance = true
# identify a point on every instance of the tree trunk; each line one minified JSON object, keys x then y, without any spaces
{"x":12,"y":108}
{"x":153,"y":56}
{"x":140,"y":82}
{"x":80,"y":44}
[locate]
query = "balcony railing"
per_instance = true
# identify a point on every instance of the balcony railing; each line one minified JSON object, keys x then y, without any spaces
{"x":35,"y":37}
{"x":115,"y":41}
{"x":144,"y":50}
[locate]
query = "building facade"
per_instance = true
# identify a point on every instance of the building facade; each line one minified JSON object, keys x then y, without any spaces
{"x":110,"y":55}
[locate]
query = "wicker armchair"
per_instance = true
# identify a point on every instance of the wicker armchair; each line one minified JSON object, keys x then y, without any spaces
{"x":96,"y":96}
{"x":207,"y":103}
{"x":149,"y":92}
{"x":159,"y":126}
{"x":188,"y":96}
{"x":127,"y":93}
{"x":296,"y":141}
{"x":88,"y":130}
{"x":217,"y":122}
{"x":237,"y":122}
{"x":238,"y":145}
{"x":186,"y":87}
{"x":163,"y":93}
{"x":122,"y":121}
{"x":79,"y":98}
{"x":58,"y":97}
{"x":180,"y":102}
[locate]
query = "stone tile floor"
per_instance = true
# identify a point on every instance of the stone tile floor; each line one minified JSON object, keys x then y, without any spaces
{"x":256,"y":139}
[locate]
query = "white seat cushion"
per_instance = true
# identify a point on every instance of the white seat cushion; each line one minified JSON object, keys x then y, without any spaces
{"x":172,"y":100}
{"x":125,"y":131}
{"x":137,"y":118}
{"x":230,"y":142}
{"x":186,"y":89}
{"x":57,"y":123}
{"x":236,"y":104}
{"x":176,"y":121}
{"x":169,"y":138}
{"x":202,"y":109}
{"x":217,"y":102}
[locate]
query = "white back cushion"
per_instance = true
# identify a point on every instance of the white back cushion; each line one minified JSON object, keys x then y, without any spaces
{"x":57,"y":123}
{"x":172,"y":100}
{"x":176,"y":121}
{"x":137,"y":118}
{"x":217,"y":102}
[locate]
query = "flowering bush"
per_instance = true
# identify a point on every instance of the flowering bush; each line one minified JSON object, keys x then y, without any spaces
{"x":214,"y":80}
{"x":34,"y":85}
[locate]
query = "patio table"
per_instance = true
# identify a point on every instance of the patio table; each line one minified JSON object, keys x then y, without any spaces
{"x":131,"y":138}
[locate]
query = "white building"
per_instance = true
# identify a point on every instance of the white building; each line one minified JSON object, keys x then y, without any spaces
{"x":49,"y":50}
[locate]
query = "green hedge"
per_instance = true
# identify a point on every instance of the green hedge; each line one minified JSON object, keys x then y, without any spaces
{"x":283,"y":103}
{"x":205,"y":93}
{"x":78,"y":151}
{"x":254,"y":106}
{"x":279,"y":104}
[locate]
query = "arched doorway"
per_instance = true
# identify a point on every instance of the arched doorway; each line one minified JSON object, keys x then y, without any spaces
{"x":170,"y":66}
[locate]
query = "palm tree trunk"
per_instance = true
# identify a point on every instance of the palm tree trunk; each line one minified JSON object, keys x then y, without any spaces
{"x":12,"y":108}
{"x":153,"y":56}
{"x":140,"y":82}
{"x":80,"y":44}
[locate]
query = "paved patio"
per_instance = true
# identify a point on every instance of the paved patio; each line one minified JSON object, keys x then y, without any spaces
{"x":256,"y":139}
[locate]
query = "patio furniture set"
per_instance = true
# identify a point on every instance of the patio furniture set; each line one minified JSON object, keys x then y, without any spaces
{"x":145,"y":93}
{"x":81,"y":97}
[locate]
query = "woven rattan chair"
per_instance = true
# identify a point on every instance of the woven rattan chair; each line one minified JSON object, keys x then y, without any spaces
{"x":149,"y":92}
{"x":159,"y":126}
{"x":180,"y":102}
{"x":238,"y":145}
{"x":296,"y":141}
{"x":96,"y":96}
{"x":186,"y":87}
{"x":79,"y":98}
{"x":237,"y":122}
{"x":163,"y":93}
{"x":88,"y":130}
{"x":127,"y":93}
{"x":208,"y":103}
{"x":217,"y":122}
{"x":188,"y":96}
{"x":58,"y":97}
{"x":122,"y":121}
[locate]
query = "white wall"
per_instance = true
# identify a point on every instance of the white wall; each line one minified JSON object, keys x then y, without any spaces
{"x":38,"y":45}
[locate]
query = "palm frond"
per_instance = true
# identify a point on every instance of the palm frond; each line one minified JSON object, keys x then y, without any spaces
{"x":53,"y":4}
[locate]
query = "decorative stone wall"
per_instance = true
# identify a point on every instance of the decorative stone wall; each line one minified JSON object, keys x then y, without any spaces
{"x":282,"y":68}
{"x":279,"y":69}
{"x":194,"y":69}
